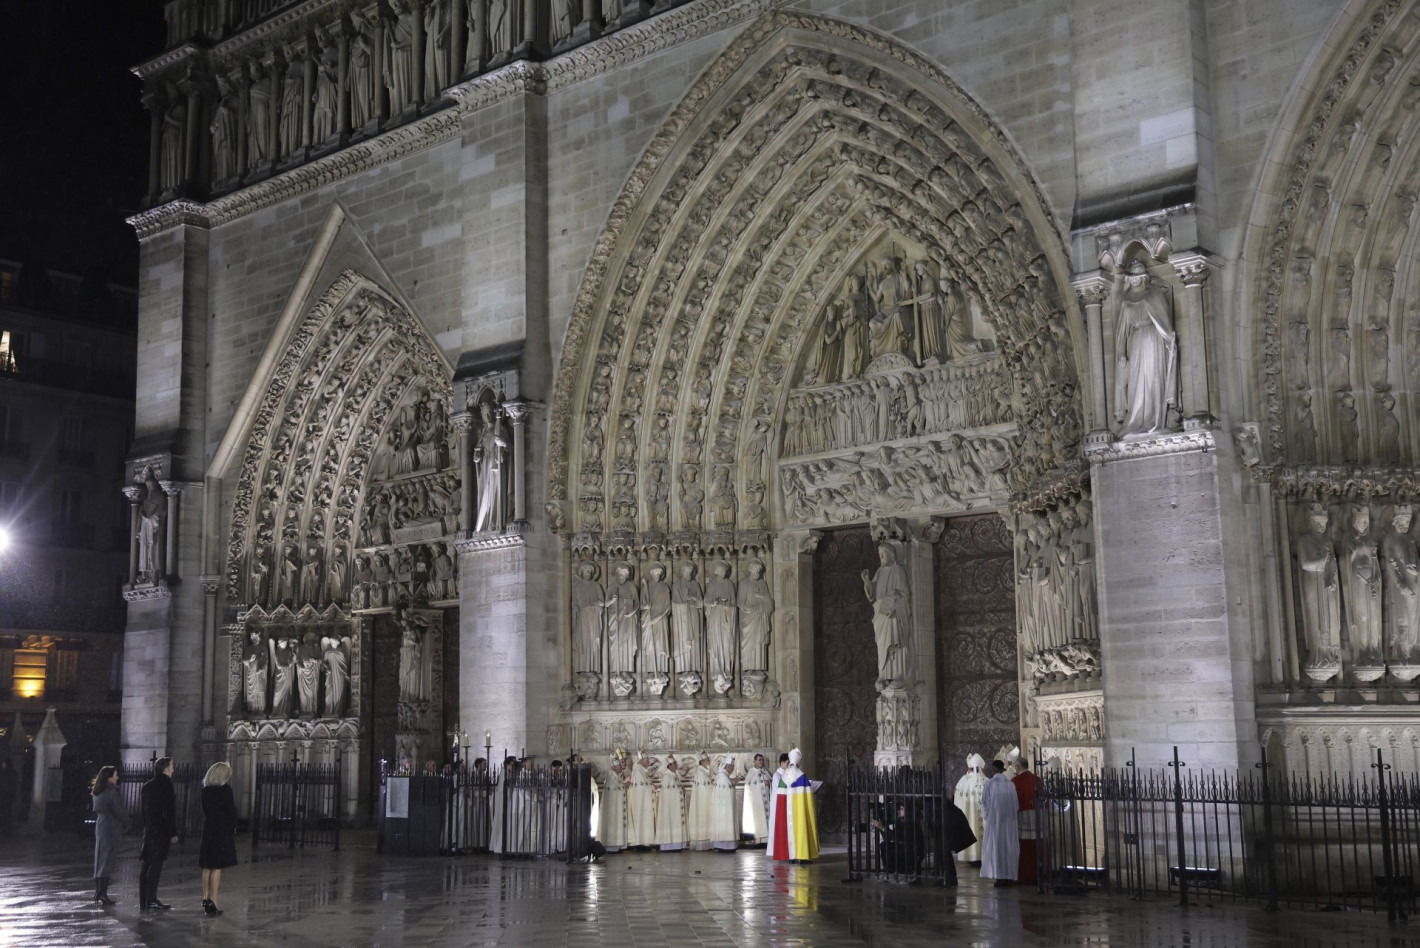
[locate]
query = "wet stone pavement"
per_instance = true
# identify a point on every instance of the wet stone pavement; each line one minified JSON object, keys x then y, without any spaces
{"x":355,"y":897}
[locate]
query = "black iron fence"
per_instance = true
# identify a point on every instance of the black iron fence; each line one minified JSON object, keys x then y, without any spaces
{"x":1336,"y":842}
{"x":897,"y":821}
{"x":73,"y":809}
{"x":297,"y":805}
{"x":525,"y":811}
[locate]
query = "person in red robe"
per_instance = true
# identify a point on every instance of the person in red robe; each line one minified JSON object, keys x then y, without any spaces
{"x":1028,"y":788}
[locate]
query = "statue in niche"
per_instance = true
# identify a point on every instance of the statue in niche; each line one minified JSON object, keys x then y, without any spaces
{"x":415,"y":661}
{"x":433,"y":448}
{"x":444,"y":581}
{"x":382,"y":592}
{"x":957,"y":320}
{"x":1083,"y":557}
{"x":931,"y":316}
{"x":722,"y":498}
{"x":1146,"y":354}
{"x":1387,"y":430}
{"x":623,"y":632}
{"x":687,"y":622}
{"x":756,"y":618}
{"x":399,"y":57}
{"x":308,"y":665}
{"x":404,"y":441}
{"x":588,"y":619}
{"x":830,"y":353}
{"x":224,"y":133}
{"x":1067,"y":577}
{"x":888,"y":591}
{"x":171,"y":167}
{"x":1401,"y":564}
{"x":326,"y":96}
{"x":151,"y":514}
{"x":500,"y":27}
{"x":256,"y":670}
{"x":360,"y":586}
{"x":283,"y":663}
{"x":337,"y":673}
{"x":490,"y":459}
{"x":855,"y":312}
{"x":1319,"y":590}
{"x":311,"y":576}
{"x":336,"y":573}
{"x":656,"y":629}
{"x":290,"y":119}
{"x":564,"y":13}
{"x":361,"y":73}
{"x":436,"y":48}
{"x":720,"y":627}
{"x":886,"y":333}
{"x":692,"y":496}
{"x":1379,"y":340}
{"x":1360,"y":570}
{"x":1348,"y":431}
{"x":259,"y":144}
{"x":1304,"y":427}
{"x":1340,"y":357}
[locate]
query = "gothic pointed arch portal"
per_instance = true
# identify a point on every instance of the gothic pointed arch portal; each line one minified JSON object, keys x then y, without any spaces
{"x":817,"y":176}
{"x":338,"y":557}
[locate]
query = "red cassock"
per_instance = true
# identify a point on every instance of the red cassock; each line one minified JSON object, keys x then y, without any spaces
{"x":1027,"y":786}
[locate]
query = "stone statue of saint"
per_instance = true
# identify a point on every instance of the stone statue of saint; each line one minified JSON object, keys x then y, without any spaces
{"x":830,"y":354}
{"x":1318,"y":586}
{"x":361,"y":73}
{"x":1145,"y":354}
{"x":308,"y":665}
{"x":436,"y":48}
{"x":445,"y":574}
{"x":256,"y":669}
{"x":399,"y":58}
{"x":326,"y":98}
{"x":1083,"y":545}
{"x":291,"y":109}
{"x":756,"y":618}
{"x":687,"y":620}
{"x":312,"y":574}
{"x":886,"y":332}
{"x":224,"y":135}
{"x":150,"y":529}
{"x":623,"y":632}
{"x":171,"y":168}
{"x":720,"y":627}
{"x":414,"y":664}
{"x":855,"y":311}
{"x":337,"y":572}
{"x":360,"y":586}
{"x":283,"y":690}
{"x":656,"y":622}
{"x":1360,"y":569}
{"x":500,"y":27}
{"x":337,"y":673}
{"x":588,"y":619}
{"x":1401,"y":564}
{"x":889,"y":593}
{"x":931,"y":315}
{"x":491,"y":458}
{"x":259,"y":120}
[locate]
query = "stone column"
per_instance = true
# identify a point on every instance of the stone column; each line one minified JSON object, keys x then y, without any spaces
{"x":477,"y":56}
{"x":155,"y":105}
{"x":463,"y":424}
{"x":242,"y":85}
{"x":310,"y":52}
{"x":925,"y":534}
{"x":518,"y":414}
{"x":275,"y":72}
{"x":458,"y":37}
{"x":793,"y":645}
{"x":168,"y":567}
{"x":591,"y":25}
{"x":210,"y":651}
{"x":192,"y":147}
{"x":134,"y":493}
{"x":416,"y":70}
{"x":1093,"y":288}
{"x":382,"y":92}
{"x":1193,"y":269}
{"x":529,"y":44}
{"x":342,"y":80}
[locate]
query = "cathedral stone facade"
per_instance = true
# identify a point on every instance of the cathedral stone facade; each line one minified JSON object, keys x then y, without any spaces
{"x":893,"y":380}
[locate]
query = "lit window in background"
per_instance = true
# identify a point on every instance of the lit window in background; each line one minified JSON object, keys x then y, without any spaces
{"x":30,"y":665}
{"x":7,"y":355}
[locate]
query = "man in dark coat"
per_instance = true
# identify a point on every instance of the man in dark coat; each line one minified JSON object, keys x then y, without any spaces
{"x":159,"y":832}
{"x":957,"y":835}
{"x":9,"y":789}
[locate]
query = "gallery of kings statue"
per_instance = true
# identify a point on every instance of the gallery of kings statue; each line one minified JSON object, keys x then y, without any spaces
{"x":732,"y":375}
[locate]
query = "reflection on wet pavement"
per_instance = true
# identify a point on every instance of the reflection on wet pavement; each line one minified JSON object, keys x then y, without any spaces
{"x":355,"y":897}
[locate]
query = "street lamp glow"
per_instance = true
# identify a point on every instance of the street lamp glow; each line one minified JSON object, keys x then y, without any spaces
{"x":4,"y":539}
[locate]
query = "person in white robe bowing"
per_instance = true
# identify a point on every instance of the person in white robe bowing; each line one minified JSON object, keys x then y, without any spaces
{"x":612,"y":832}
{"x":508,"y":831}
{"x":793,"y":821}
{"x":641,"y":804}
{"x":1000,"y":843}
{"x":967,"y":798}
{"x":697,"y":811}
{"x":670,"y":808}
{"x":754,"y":821}
{"x":724,"y":824}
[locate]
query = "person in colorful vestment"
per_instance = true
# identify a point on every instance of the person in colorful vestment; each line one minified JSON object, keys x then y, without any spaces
{"x":793,"y":822}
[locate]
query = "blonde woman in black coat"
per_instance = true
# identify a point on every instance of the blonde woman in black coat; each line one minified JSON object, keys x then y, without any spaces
{"x":219,"y":827}
{"x":110,"y":823}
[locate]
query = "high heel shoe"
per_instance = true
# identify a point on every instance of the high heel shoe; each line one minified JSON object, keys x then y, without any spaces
{"x":210,"y":908}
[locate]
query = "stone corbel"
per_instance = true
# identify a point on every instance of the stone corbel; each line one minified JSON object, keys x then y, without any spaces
{"x":1093,"y":288}
{"x":1193,"y":268}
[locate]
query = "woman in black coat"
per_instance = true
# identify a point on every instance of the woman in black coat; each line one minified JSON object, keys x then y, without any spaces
{"x":110,"y":822}
{"x":219,"y":827}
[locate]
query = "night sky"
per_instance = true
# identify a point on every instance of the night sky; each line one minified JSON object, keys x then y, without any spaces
{"x":73,"y":132}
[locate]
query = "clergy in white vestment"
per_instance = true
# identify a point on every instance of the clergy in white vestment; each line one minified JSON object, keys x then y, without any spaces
{"x":670,"y":808}
{"x":697,"y":810}
{"x":968,"y":799}
{"x":1000,"y":843}
{"x":556,"y":807}
{"x":724,"y":825}
{"x":641,"y":805}
{"x":755,"y":819}
{"x":510,"y":817}
{"x":612,"y":832}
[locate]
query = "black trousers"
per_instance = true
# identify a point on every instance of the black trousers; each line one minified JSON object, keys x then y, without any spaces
{"x":149,"y":871}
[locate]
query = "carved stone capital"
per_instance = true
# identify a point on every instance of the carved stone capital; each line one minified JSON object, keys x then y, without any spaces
{"x":1092,"y":289}
{"x":461,"y":421}
{"x":171,"y":488}
{"x":517,"y":411}
{"x":1194,"y":267}
{"x":210,"y":583}
{"x":135,"y":493}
